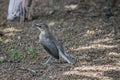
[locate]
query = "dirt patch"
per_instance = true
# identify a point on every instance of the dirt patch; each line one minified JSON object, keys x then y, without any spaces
{"x":88,"y":33}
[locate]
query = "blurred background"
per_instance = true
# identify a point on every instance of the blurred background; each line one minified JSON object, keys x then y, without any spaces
{"x":88,"y":29}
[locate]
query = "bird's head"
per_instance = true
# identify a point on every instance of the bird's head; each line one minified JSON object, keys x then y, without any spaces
{"x":42,"y":26}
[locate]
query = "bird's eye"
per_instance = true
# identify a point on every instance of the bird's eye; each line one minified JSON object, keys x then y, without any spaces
{"x":40,"y":26}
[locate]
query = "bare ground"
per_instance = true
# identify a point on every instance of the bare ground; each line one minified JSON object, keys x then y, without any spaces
{"x":88,"y":36}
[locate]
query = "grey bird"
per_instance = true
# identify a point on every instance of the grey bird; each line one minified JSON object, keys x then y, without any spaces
{"x":51,"y":44}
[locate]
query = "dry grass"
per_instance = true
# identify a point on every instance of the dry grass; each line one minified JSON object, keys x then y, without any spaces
{"x":87,"y":35}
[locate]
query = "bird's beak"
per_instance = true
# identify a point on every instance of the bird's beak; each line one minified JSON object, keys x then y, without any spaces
{"x":38,"y":24}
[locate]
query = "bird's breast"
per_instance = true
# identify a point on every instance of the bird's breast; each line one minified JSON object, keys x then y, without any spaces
{"x":43,"y":38}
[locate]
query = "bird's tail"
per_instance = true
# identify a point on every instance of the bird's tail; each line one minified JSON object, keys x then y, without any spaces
{"x":66,"y":57}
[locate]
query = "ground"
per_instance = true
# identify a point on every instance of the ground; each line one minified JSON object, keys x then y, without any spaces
{"x":84,"y":29}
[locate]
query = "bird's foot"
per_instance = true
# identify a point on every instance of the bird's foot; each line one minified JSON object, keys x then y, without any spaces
{"x":56,"y":61}
{"x":44,"y":63}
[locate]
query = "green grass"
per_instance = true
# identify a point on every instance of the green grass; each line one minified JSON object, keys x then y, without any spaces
{"x":14,"y":55}
{"x":31,"y":51}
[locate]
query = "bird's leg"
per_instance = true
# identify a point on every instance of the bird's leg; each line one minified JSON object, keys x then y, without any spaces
{"x":48,"y":60}
{"x":55,"y":61}
{"x":46,"y":63}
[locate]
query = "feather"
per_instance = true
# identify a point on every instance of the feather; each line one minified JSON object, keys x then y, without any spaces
{"x":49,"y":46}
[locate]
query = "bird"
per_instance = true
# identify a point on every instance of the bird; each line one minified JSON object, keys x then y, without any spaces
{"x":50,"y":43}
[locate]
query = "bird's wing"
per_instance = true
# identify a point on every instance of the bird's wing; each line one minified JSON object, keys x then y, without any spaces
{"x":63,"y":54}
{"x":50,"y":47}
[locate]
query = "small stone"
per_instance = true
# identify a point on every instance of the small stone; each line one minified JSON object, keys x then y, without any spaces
{"x":19,"y":37}
{"x":51,"y":12}
{"x":2,"y":59}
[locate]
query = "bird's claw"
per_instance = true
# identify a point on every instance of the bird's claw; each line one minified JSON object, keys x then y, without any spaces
{"x":44,"y":64}
{"x":56,"y":61}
